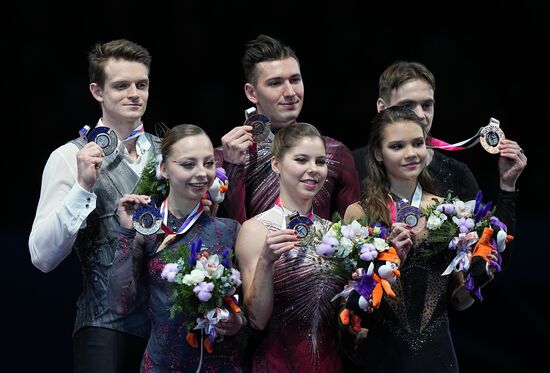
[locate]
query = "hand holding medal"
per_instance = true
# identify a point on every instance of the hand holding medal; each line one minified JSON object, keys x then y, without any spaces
{"x":303,"y":226}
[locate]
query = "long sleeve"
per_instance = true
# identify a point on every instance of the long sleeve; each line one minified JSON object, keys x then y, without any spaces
{"x":62,"y":210}
{"x":233,"y":206}
{"x":347,"y":187}
{"x":125,"y":274}
{"x":505,"y":210}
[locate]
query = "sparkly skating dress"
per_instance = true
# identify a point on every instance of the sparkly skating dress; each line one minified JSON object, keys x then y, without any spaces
{"x":302,"y":332}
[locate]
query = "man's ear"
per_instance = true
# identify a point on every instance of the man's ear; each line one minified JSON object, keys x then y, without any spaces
{"x":380,"y":105}
{"x":250,"y":93}
{"x":96,"y":92}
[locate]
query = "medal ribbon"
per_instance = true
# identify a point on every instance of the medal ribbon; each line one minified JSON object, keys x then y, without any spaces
{"x":394,"y":206}
{"x":280,"y":204}
{"x":135,"y":133}
{"x":434,"y":143}
{"x":187,"y":224}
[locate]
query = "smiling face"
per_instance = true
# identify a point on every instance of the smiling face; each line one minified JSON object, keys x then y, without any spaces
{"x":190,"y":169}
{"x":402,"y":150}
{"x":416,"y":95}
{"x":278,"y":91}
{"x":125,"y":92}
{"x":302,"y":169}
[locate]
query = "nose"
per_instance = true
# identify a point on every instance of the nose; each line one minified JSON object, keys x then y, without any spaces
{"x":132,"y":90}
{"x":411,"y":153}
{"x":288,"y":89}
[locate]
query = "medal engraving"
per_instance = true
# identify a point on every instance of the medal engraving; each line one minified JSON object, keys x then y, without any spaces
{"x":491,"y":136}
{"x":104,"y":137}
{"x":147,"y":220}
{"x":412,"y":216}
{"x":260,"y":127}
{"x":304,"y":229}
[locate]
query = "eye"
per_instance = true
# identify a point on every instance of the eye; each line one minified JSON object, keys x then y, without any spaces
{"x":188,"y":165}
{"x":296,"y":80}
{"x":301,"y":159}
{"x":209,"y":164}
{"x":120,"y":86}
{"x":395,"y":146}
{"x":419,"y":143}
{"x":427,"y":106}
{"x":321,"y":161}
{"x":143,"y":85}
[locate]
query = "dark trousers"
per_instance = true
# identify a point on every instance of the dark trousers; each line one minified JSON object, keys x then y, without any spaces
{"x":101,"y":350}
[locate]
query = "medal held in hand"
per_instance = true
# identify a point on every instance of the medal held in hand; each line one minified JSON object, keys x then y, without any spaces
{"x":303,"y":227}
{"x":104,"y":137}
{"x":147,"y":220}
{"x":412,"y":216}
{"x":261,"y":127}
{"x":491,"y":135}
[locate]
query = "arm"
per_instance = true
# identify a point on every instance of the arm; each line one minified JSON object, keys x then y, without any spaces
{"x":354,"y":212}
{"x":66,"y":200}
{"x":348,"y":188}
{"x":125,"y":272}
{"x":233,"y":205}
{"x":257,"y":251}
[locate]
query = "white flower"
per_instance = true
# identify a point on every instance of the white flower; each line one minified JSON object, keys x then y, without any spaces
{"x":434,"y":222}
{"x":380,"y":244}
{"x":197,"y":275}
{"x":211,"y":266}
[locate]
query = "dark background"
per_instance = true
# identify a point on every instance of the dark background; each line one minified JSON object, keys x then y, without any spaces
{"x":487,"y":62}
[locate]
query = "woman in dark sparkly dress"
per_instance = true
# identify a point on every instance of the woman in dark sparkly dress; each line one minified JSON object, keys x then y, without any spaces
{"x":287,"y":286}
{"x":408,"y":333}
{"x":188,"y":165}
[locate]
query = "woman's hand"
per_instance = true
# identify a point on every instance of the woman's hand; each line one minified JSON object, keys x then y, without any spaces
{"x":401,"y":239}
{"x":277,"y":243}
{"x":127,"y":205}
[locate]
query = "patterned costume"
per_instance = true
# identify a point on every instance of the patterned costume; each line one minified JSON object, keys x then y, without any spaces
{"x":167,"y":349}
{"x":254,"y":186}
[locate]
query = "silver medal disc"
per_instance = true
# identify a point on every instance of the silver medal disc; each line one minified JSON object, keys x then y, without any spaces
{"x":104,"y":137}
{"x":147,"y":220}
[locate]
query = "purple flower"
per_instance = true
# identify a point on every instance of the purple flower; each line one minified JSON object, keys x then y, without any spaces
{"x":195,"y":249}
{"x":169,"y":272}
{"x":446,"y":208}
{"x":203,"y":291}
{"x":327,"y":247}
{"x":226,"y":262}
{"x":368,"y":252}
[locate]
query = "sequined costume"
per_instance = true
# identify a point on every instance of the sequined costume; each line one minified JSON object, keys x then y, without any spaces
{"x":253,"y":187}
{"x":410,"y":333}
{"x":302,"y":332}
{"x":167,"y":349}
{"x":447,"y":173}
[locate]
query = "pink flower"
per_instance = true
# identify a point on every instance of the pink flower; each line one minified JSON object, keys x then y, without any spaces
{"x":327,"y":246}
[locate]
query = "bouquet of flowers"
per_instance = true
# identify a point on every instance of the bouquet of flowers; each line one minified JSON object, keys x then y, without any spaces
{"x":201,"y":283}
{"x":472,"y":231}
{"x":364,"y":254}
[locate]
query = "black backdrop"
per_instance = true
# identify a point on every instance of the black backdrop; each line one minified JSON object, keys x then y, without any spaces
{"x":488,"y":63}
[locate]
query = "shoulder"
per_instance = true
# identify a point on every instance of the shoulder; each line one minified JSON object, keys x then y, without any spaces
{"x":354,"y":212}
{"x":333,"y":144}
{"x":441,"y":159}
{"x":360,"y":152}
